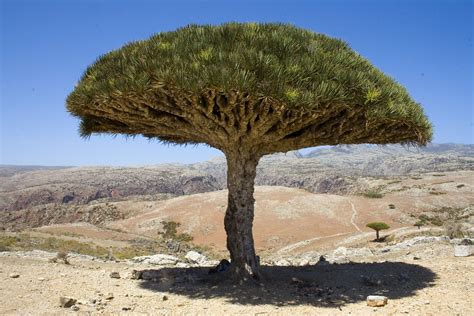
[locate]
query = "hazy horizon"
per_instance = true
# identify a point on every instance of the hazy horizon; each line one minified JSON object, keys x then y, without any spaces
{"x":303,"y":152}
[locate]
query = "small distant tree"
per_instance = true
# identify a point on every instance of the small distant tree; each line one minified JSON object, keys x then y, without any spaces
{"x":419,"y":224}
{"x":378,"y":226}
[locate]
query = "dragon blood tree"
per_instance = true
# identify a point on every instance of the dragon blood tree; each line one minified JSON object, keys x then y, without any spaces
{"x":248,"y":90}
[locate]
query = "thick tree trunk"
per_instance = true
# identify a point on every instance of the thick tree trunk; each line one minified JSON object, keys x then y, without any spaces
{"x":241,"y":171}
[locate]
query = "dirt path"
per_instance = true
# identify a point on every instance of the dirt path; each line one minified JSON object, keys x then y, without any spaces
{"x":294,"y":246}
{"x":354,"y":214}
{"x":290,"y":248}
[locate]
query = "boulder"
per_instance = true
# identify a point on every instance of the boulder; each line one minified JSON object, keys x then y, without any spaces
{"x":159,"y":259}
{"x":222,"y":266}
{"x":195,"y":257}
{"x":376,"y":300}
{"x":463,"y":250}
{"x":136,"y":275}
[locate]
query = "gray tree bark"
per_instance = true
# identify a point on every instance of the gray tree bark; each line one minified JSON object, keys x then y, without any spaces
{"x":238,"y":222}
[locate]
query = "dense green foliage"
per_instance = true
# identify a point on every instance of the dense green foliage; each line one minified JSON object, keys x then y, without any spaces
{"x":293,"y":66}
{"x":378,"y":226}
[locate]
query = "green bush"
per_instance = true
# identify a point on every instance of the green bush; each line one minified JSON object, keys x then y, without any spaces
{"x":7,"y":243}
{"x":373,"y":195}
{"x":170,"y":231}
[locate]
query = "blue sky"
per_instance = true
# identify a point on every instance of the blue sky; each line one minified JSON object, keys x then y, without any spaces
{"x":46,"y":45}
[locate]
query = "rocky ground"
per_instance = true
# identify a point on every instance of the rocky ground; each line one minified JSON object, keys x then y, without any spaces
{"x":420,"y":276}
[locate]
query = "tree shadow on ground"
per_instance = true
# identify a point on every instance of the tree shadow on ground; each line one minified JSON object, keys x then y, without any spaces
{"x":330,"y":285}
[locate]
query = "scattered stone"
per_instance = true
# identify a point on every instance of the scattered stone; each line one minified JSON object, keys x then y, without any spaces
{"x":304,"y":262}
{"x":462,"y":241}
{"x":151,"y":275}
{"x":165,"y":298}
{"x":136,"y":275}
{"x":370,"y":281}
{"x":126,"y":308}
{"x":14,"y":275}
{"x":322,"y":261}
{"x":66,"y":302}
{"x":296,"y":281}
{"x":109,"y":296}
{"x":463,"y":250}
{"x":158,"y":259}
{"x":407,"y":244}
{"x":74,"y":308}
{"x":41,"y":279}
{"x":283,"y":263}
{"x":115,"y":275}
{"x":376,"y":300}
{"x":182,"y":265}
{"x":195,"y":257}
{"x":223,"y":266}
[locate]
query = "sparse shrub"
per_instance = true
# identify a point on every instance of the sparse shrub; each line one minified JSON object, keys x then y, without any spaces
{"x":394,"y":181}
{"x":437,"y":193}
{"x":373,"y":194}
{"x":455,"y":230}
{"x":61,"y":256}
{"x":439,"y":175}
{"x":170,"y":231}
{"x":391,"y":206}
{"x":7,"y":243}
{"x":130,"y":252}
{"x":436,"y":220}
{"x":377,"y":226}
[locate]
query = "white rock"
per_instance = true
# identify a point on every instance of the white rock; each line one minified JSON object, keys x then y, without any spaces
{"x":182,"y":265}
{"x":376,"y":300}
{"x":159,"y":259}
{"x":283,"y":263}
{"x":195,"y":257}
{"x":415,"y":241}
{"x":463,"y":250}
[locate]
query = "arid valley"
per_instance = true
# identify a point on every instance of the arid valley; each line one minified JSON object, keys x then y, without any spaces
{"x":142,"y":239}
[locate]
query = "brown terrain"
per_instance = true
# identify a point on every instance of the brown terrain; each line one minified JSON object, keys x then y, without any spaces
{"x":306,"y":206}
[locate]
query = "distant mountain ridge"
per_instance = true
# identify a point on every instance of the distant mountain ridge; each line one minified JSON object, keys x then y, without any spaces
{"x":326,"y":170}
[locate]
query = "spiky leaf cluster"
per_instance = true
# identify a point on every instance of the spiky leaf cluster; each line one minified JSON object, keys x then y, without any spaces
{"x":273,"y":84}
{"x":378,"y":226}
